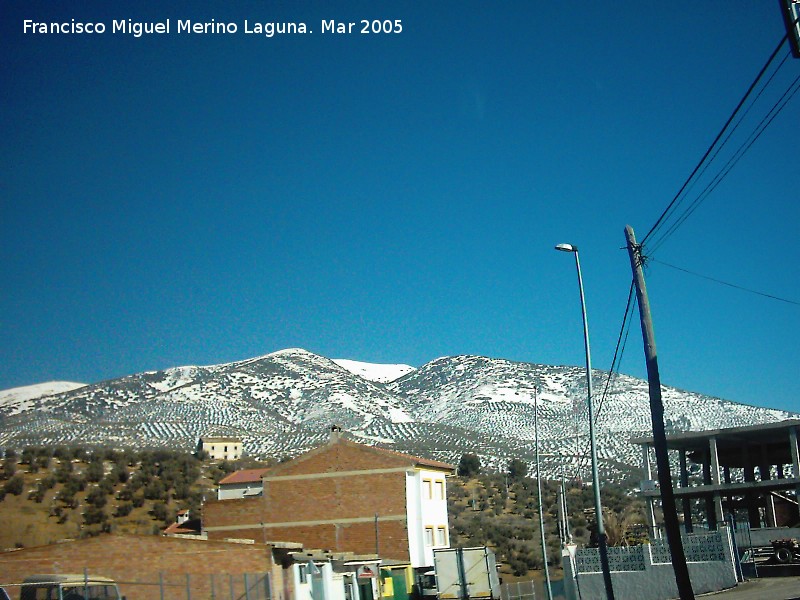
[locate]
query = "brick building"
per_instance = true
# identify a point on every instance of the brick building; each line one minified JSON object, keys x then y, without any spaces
{"x":142,"y":565}
{"x":344,"y":497}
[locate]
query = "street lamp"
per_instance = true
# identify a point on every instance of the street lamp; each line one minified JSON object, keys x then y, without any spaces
{"x":539,"y":491}
{"x":601,"y":530}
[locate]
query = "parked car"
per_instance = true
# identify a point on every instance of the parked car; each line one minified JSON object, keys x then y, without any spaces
{"x":69,"y":587}
{"x":4,"y":594}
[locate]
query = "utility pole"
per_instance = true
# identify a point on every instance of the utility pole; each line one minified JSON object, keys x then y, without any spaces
{"x":790,"y":10}
{"x":657,"y":416}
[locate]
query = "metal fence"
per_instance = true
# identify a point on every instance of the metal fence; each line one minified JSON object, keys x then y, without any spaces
{"x":532,"y":589}
{"x":519,"y":590}
{"x":172,"y":586}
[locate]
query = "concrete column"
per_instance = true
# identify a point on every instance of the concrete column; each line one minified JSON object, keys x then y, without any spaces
{"x":765,"y":474}
{"x":707,"y":479}
{"x":770,"y":512}
{"x":764,"y":467}
{"x":753,"y":515}
{"x":716,"y":478}
{"x":650,"y":515}
{"x":714,"y":460}
{"x":686,"y":502}
{"x":795,"y":460}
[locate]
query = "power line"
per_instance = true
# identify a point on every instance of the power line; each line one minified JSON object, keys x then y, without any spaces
{"x":773,"y":112}
{"x":615,"y":364}
{"x":733,"y":285}
{"x":699,"y":165}
{"x":618,"y":350}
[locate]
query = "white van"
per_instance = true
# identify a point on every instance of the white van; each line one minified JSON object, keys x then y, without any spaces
{"x":69,"y":587}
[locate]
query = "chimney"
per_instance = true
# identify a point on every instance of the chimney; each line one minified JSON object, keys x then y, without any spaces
{"x":336,"y":434}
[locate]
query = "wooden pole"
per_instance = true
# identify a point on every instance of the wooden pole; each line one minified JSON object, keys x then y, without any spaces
{"x":671,"y":524}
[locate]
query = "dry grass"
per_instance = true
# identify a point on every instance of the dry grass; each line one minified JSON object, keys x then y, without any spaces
{"x":26,"y":523}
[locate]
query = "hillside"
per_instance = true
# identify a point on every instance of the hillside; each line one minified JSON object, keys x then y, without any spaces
{"x":51,"y":494}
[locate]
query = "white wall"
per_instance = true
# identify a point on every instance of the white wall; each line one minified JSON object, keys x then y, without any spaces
{"x":656,"y":581}
{"x":426,"y":507}
{"x":232,"y":491}
{"x":217,"y":450}
{"x":331,"y":584}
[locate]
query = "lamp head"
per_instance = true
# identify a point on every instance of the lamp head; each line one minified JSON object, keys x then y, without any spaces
{"x":566,"y":248}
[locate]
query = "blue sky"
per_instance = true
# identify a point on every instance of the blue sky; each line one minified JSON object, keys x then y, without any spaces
{"x":196,"y":199}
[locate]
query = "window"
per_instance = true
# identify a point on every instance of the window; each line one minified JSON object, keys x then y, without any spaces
{"x":439,"y":489}
{"x":427,"y":489}
{"x":441,"y":536}
{"x":429,"y":536}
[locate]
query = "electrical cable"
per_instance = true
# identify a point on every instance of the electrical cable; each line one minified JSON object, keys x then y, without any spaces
{"x":733,"y":285}
{"x":671,"y":205}
{"x":726,"y":139}
{"x":618,"y":350}
{"x":776,"y":109}
{"x":622,"y":339}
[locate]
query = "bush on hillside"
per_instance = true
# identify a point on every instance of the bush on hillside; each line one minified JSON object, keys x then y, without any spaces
{"x":14,"y":486}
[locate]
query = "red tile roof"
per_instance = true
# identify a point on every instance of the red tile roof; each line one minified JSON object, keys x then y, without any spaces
{"x":423,"y":462}
{"x":188,"y":528}
{"x":244,"y":476}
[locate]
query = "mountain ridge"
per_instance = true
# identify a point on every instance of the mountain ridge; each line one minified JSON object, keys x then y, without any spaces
{"x":283,"y":403}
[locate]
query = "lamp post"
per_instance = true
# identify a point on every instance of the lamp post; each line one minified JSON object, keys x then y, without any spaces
{"x":539,"y":492}
{"x":601,"y":530}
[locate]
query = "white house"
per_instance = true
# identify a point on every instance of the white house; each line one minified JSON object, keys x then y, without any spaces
{"x":221,"y":448}
{"x":241,"y":484}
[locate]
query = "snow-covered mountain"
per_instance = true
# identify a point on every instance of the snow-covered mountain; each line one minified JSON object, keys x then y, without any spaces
{"x":284,"y":403}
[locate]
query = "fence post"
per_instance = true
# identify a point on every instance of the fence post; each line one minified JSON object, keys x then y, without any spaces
{"x":267,"y":588}
{"x":161,"y":584}
{"x":230,"y":583}
{"x":213,"y":588}
{"x":246,"y":588}
{"x":188,"y":587}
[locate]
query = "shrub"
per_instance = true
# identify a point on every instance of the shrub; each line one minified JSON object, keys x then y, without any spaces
{"x":517,"y":469}
{"x":160,"y":511}
{"x":469,"y":465}
{"x":155,"y":490}
{"x":15,"y":485}
{"x":94,"y":515}
{"x":97,"y":498}
{"x":95,"y":471}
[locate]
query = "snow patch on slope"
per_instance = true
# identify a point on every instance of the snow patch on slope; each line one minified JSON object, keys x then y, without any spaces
{"x":379,"y":373}
{"x":17,"y":400}
{"x":32,"y":392}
